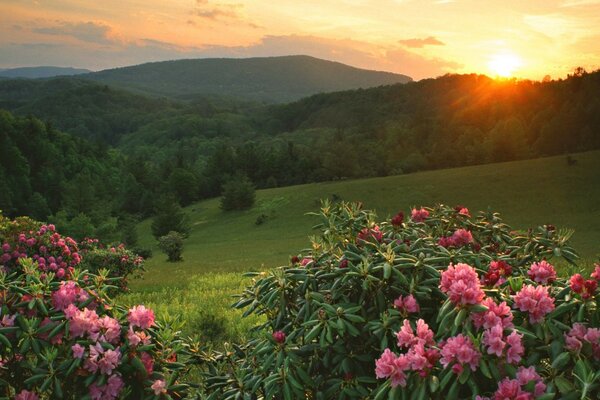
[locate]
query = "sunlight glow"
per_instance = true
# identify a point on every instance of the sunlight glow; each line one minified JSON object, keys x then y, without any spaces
{"x":504,"y":64}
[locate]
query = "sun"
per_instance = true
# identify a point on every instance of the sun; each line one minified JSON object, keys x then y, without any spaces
{"x":504,"y":64}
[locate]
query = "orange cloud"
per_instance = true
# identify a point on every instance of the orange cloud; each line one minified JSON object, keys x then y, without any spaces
{"x":419,"y":43}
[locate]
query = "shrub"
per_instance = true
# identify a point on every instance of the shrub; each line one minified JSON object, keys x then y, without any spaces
{"x":172,"y":246}
{"x":117,"y":260}
{"x":238,"y":194}
{"x":440,"y":306}
{"x":62,"y":336}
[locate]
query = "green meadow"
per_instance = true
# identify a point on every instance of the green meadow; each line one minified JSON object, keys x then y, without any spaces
{"x":222,"y":245}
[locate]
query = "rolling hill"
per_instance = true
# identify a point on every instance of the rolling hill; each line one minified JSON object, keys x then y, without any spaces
{"x":527,"y":194}
{"x":265,"y":79}
{"x":41,"y":72}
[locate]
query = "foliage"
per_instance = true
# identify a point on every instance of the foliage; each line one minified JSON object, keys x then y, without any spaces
{"x":238,"y":194}
{"x":172,"y":245}
{"x":170,"y":217}
{"x":63,"y":337}
{"x":117,"y":260}
{"x":490,"y":314}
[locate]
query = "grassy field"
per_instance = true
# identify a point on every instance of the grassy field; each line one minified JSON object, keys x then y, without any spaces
{"x":527,"y":193}
{"x":223,"y":244}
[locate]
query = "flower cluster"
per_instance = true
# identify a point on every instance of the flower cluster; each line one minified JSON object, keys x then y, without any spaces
{"x":580,"y":334}
{"x":460,"y":238}
{"x":518,"y":389}
{"x":407,"y":304}
{"x":420,"y":357}
{"x":585,"y":288}
{"x":497,"y":343}
{"x":367,"y":234}
{"x":419,"y":215}
{"x":534,"y":300}
{"x":542,"y":272}
{"x":51,"y":251}
{"x":461,"y":283}
{"x":497,"y":273}
{"x":459,"y":351}
{"x":496,"y":314}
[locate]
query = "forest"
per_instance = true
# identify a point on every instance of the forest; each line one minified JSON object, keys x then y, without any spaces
{"x":95,"y":158}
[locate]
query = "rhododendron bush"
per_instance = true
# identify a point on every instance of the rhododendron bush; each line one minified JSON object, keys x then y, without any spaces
{"x":440,"y":304}
{"x":61,"y":335}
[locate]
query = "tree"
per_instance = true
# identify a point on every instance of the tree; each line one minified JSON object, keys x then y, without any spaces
{"x":169,"y":217}
{"x":184,"y":184}
{"x":172,"y":245}
{"x":238,"y":194}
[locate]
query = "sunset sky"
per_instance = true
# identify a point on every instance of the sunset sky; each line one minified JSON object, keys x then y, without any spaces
{"x":420,"y":38}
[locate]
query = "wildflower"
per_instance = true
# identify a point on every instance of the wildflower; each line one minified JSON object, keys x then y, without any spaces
{"x":497,"y":273}
{"x":141,"y":316}
{"x":596,"y":274}
{"x":535,"y":301}
{"x":391,"y":366}
{"x":343,"y":263}
{"x":26,"y":395}
{"x":586,"y":288}
{"x":398,"y":219}
{"x":526,"y":375}
{"x":78,"y":350}
{"x":461,"y":283}
{"x":367,"y":234}
{"x":110,"y":391}
{"x":495,"y":314}
{"x":159,"y":386}
{"x":279,"y":336}
{"x":516,"y":349}
{"x":419,"y":215}
{"x":408,"y":304}
{"x":542,"y":272}
{"x":459,"y":349}
{"x":148,"y":362}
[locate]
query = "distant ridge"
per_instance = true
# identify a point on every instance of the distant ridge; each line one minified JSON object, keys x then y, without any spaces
{"x":41,"y":72}
{"x":268,"y":79}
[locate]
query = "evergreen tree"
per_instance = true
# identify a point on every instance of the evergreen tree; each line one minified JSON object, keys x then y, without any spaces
{"x":169,"y":217}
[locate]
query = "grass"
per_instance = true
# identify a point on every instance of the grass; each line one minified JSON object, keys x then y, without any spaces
{"x":206,"y":305}
{"x":527,"y":193}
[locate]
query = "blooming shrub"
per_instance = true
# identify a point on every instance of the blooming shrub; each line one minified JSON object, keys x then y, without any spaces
{"x":61,"y":335}
{"x":118,"y":260}
{"x":441,"y":306}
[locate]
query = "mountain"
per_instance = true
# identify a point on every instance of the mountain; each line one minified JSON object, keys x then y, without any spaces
{"x":266,"y":79}
{"x":41,"y":72}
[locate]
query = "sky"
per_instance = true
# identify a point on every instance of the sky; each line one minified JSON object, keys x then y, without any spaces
{"x":419,"y":38}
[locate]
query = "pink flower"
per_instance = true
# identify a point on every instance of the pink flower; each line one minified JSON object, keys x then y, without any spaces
{"x":148,"y":362}
{"x":398,"y":219}
{"x":516,"y":349}
{"x":108,"y":330}
{"x":461,"y":283}
{"x":159,"y":386}
{"x":535,"y":301}
{"x":596,"y":274}
{"x":459,"y":349}
{"x":68,"y":293}
{"x":496,"y":314}
{"x":407,"y":338}
{"x":103,"y":360}
{"x":82,"y":322}
{"x":542,"y":272}
{"x":463,"y":211}
{"x":367,"y":234}
{"x":78,"y":350}
{"x":279,"y":336}
{"x":305,"y":261}
{"x":141,"y":316}
{"x":390,"y":366}
{"x":510,"y":389}
{"x":419,"y":215}
{"x":8,"y":321}
{"x":26,"y":395}
{"x":408,"y":304}
{"x":526,"y":375}
{"x":462,"y":237}
{"x":492,"y":339}
{"x":497,"y":273}
{"x":110,"y":391}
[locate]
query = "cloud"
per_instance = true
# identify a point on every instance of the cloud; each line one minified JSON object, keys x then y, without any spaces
{"x":91,"y":32}
{"x":228,"y":13}
{"x":419,"y":43}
